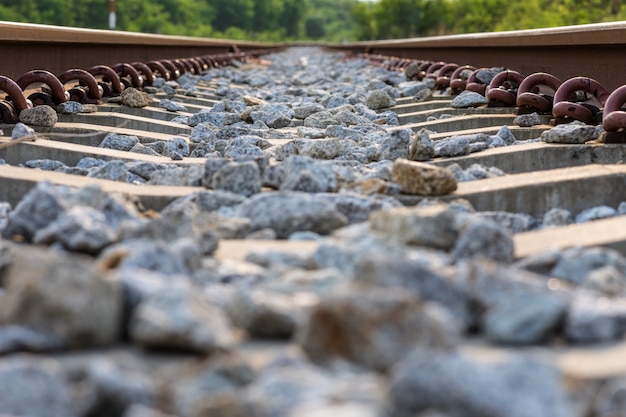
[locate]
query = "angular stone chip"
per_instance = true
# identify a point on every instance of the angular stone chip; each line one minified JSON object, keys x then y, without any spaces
{"x":422,"y":179}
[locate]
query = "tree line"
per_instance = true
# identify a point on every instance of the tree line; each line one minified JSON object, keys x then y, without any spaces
{"x":264,"y":20}
{"x":330,"y":20}
{"x":388,"y":19}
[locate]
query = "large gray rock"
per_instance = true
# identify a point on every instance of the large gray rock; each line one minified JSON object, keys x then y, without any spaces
{"x":378,"y":99}
{"x":356,"y":207}
{"x":288,"y":212}
{"x":305,"y":110}
{"x":467,"y":385}
{"x":557,"y":217}
{"x":513,"y":222}
{"x":273,"y":116}
{"x":488,"y":284}
{"x":434,"y":226}
{"x":132,"y":97}
{"x":303,"y":387}
{"x":39,"y":116}
{"x":453,"y":146}
{"x":217,"y":118}
{"x":187,"y":175}
{"x":468,"y":99}
{"x":38,"y":208}
{"x":176,"y":146}
{"x":324,"y":148}
{"x":524,"y":319}
{"x":574,"y":132}
{"x":592,"y":321}
{"x":114,"y":170}
{"x":483,"y":238}
{"x":595,"y":213}
{"x":238,"y":177}
{"x":411,"y":88}
{"x":80,"y":229}
{"x":302,"y":173}
{"x":117,"y":385}
{"x":349,"y":325}
{"x":214,"y":387}
{"x":416,"y":276}
{"x":421,"y":147}
{"x":269,"y":314}
{"x":242,"y":150}
{"x":576,"y":264}
{"x":343,"y":116}
{"x":33,"y":387}
{"x":44,"y":164}
{"x":203,"y":132}
{"x":396,"y":145}
{"x":178,"y":318}
{"x":61,"y":295}
{"x":119,"y":142}
{"x":173,"y":257}
{"x":527,"y":120}
{"x":21,"y":131}
{"x":172,"y":106}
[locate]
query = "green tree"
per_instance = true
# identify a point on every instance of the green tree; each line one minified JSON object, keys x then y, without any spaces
{"x":135,"y":15}
{"x":293,"y":17}
{"x":363,"y":15}
{"x":233,"y":13}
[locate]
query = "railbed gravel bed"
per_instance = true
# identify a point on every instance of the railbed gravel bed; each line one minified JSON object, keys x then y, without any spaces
{"x":107,"y":309}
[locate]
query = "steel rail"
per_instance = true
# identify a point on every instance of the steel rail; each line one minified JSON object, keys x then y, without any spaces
{"x":597,"y":51}
{"x":24,"y":47}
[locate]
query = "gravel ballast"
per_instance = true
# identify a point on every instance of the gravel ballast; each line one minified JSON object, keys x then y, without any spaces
{"x":110,"y":309}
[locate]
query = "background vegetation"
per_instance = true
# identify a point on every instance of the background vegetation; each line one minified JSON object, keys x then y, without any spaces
{"x":331,"y":20}
{"x":387,"y":19}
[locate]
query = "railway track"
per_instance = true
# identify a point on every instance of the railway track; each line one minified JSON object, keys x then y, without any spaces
{"x":194,"y":228}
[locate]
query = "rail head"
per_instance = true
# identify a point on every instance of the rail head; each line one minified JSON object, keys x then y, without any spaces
{"x":28,"y":32}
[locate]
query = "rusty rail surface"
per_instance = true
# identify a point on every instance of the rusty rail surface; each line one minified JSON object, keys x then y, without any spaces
{"x":597,"y":51}
{"x":24,"y":47}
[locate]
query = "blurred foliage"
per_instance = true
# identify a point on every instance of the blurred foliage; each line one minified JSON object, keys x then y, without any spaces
{"x":266,"y":20}
{"x":386,"y":19}
{"x":330,"y":20}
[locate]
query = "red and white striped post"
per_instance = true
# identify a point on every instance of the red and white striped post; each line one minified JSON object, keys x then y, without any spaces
{"x":112,"y":14}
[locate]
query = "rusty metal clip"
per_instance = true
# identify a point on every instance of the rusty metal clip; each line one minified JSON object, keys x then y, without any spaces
{"x":57,"y":93}
{"x":182,"y":68}
{"x":15,"y":93}
{"x":174,"y":72}
{"x":536,"y":93}
{"x":145,"y":72}
{"x":423,"y":68}
{"x":128,"y":75}
{"x":458,"y":79}
{"x":8,"y":114}
{"x":199,"y":64}
{"x":432,"y":70}
{"x":445,"y":75}
{"x":502,"y":90}
{"x":158,"y":67}
{"x":206,"y":65}
{"x":614,"y":118}
{"x":111,"y":84}
{"x":565,"y":111}
{"x":474,"y":84}
{"x":89,"y":91}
